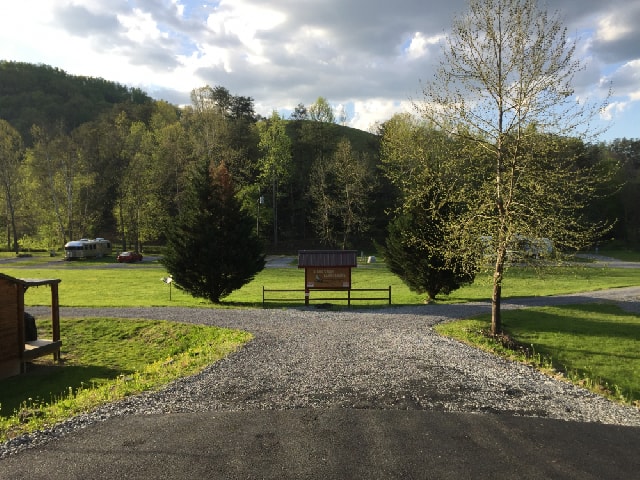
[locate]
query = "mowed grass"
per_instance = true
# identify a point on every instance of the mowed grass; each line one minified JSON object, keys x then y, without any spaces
{"x":104,"y":360}
{"x":594,"y":345}
{"x":138,"y":285}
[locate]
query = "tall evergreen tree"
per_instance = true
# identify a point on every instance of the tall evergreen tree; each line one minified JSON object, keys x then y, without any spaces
{"x":412,"y":250}
{"x":212,"y":248}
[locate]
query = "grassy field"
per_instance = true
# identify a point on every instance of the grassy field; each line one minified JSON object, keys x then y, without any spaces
{"x":107,"y":359}
{"x":104,"y":360}
{"x":623,"y":254}
{"x":593,"y":345}
{"x":105,"y":284}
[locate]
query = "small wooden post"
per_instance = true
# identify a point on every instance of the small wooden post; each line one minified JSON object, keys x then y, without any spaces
{"x":55,"y":318}
{"x":20,"y":319}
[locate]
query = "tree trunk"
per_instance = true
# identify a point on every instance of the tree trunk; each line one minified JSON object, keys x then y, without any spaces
{"x":16,"y":247}
{"x":496,"y":297}
{"x":12,"y":218}
{"x":124,"y":235}
{"x":496,"y":318}
{"x":275,"y":212}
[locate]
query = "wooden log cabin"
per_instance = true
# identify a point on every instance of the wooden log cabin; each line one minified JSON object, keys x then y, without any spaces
{"x":15,"y":350}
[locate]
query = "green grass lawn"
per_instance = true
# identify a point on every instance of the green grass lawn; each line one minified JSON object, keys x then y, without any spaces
{"x":100,"y":284}
{"x":106,"y":359}
{"x":599,"y":342}
{"x":623,"y":254}
{"x":595,"y":345}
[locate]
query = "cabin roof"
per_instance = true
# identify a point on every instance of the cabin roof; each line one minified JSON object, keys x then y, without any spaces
{"x":30,"y":282}
{"x":327,"y":258}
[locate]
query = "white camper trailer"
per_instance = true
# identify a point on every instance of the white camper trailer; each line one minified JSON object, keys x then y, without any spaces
{"x":86,"y":248}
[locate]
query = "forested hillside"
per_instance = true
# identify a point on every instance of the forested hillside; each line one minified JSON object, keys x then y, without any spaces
{"x":96,"y":158}
{"x":40,"y":94}
{"x":86,"y":157}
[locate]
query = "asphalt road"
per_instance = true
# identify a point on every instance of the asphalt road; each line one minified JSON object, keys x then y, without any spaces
{"x":334,"y":444}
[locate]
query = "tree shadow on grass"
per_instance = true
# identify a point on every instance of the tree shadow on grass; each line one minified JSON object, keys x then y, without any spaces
{"x":595,"y":325}
{"x":46,"y":381}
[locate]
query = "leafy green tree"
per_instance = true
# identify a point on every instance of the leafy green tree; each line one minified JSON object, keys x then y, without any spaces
{"x":11,"y":152}
{"x":102,"y":146}
{"x":504,"y":86}
{"x":627,"y":153}
{"x":114,"y":155}
{"x":321,"y":111}
{"x":299,"y":113}
{"x":223,"y":102}
{"x":172,"y":156}
{"x":63,"y":180}
{"x":139,"y":210}
{"x":340,"y":191}
{"x":275,"y":164}
{"x":212,"y":248}
{"x":320,"y":132}
{"x":222,"y":126}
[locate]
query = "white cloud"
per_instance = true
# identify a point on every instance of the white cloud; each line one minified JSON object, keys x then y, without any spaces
{"x":140,"y":27}
{"x":610,"y":29}
{"x":368,"y":55}
{"x":377,"y":110}
{"x":179,"y":7}
{"x":419,"y":45}
{"x":613,"y":110}
{"x":242,"y":20}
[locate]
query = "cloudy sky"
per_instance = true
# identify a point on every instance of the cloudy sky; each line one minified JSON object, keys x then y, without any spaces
{"x":364,"y":56}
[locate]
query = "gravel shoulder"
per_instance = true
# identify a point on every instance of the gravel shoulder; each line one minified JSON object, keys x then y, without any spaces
{"x":388,"y":359}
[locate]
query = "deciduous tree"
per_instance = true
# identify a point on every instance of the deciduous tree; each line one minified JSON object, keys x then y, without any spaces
{"x":62,"y":180}
{"x":11,"y":151}
{"x":340,"y":191}
{"x":416,"y":160}
{"x":505,"y":85}
{"x":275,"y":164}
{"x":299,"y":113}
{"x":321,"y":111}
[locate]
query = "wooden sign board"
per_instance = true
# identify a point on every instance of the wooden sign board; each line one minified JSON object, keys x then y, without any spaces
{"x":328,"y":277}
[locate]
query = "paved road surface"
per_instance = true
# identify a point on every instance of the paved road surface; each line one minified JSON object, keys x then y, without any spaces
{"x":335,"y":444}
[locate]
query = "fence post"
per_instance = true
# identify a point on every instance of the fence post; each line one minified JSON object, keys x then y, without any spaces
{"x":389,"y":294}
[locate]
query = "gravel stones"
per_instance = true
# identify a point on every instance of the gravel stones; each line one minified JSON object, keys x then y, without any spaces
{"x":382,"y":359}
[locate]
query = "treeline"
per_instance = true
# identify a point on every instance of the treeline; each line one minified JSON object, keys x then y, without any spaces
{"x":118,"y":170}
{"x":623,"y":206}
{"x":43,"y":95}
{"x":84,"y":157}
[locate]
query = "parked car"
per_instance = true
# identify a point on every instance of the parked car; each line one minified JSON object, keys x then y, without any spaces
{"x":129,"y":257}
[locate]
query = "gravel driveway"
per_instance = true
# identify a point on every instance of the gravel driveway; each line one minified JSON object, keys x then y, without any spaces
{"x":384,"y":359}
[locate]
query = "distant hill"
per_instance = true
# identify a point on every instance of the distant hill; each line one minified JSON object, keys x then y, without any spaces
{"x":41,"y":94}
